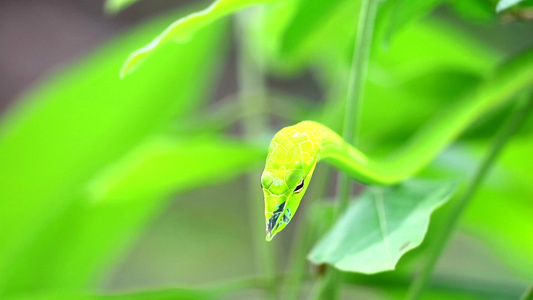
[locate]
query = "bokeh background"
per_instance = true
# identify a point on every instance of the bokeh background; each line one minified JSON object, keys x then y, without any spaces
{"x":204,"y":236}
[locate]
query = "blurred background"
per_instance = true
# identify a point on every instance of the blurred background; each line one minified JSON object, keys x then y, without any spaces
{"x":202,"y":235}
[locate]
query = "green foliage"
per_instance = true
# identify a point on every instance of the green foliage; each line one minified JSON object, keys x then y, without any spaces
{"x":115,"y":6}
{"x":381,"y":225}
{"x":403,"y":12}
{"x":88,"y":159}
{"x":183,"y":29}
{"x":64,"y":133}
{"x":166,"y":165}
{"x":501,"y":226}
{"x":205,"y":293}
{"x":308,"y":18}
{"x":505,"y":4}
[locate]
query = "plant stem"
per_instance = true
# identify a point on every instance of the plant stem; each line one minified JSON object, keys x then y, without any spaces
{"x":251,"y":82}
{"x":356,"y":89}
{"x":329,"y":289}
{"x":528,"y":294}
{"x":511,"y":125}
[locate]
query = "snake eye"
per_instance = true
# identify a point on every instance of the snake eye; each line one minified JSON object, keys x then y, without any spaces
{"x":299,"y":187}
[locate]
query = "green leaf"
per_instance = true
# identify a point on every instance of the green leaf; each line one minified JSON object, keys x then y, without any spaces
{"x":137,"y":187}
{"x":204,"y":293}
{"x":68,"y":129}
{"x":382,"y":225}
{"x":174,"y":294}
{"x":505,"y":4}
{"x":184,"y":28}
{"x":500,"y":213}
{"x":474,"y":10}
{"x":167,"y":165}
{"x":401,"y":12}
{"x":115,"y":6}
{"x":308,"y":17}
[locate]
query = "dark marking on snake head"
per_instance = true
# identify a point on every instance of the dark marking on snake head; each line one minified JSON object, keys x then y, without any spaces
{"x":275,"y":216}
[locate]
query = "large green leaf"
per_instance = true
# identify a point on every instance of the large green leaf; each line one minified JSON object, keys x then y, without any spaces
{"x":183,"y":29}
{"x":381,"y":226}
{"x":130,"y":191}
{"x":164,"y":165}
{"x":72,"y":126}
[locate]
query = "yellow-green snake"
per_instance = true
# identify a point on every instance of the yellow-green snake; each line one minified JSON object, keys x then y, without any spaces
{"x":295,"y":150}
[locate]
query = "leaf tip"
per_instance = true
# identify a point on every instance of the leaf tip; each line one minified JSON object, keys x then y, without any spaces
{"x":133,"y":61}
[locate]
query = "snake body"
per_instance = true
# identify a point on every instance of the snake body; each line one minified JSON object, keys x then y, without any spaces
{"x":295,"y":150}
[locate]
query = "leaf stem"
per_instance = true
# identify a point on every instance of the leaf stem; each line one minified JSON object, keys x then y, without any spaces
{"x":356,"y":89}
{"x":251,"y":82}
{"x":352,"y":120}
{"x":511,"y":125}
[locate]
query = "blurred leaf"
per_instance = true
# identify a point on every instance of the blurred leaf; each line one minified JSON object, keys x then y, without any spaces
{"x":474,"y":9}
{"x":203,"y":293}
{"x":184,"y":28}
{"x":505,"y":4}
{"x":321,"y":218}
{"x":164,"y":165}
{"x":382,"y":225}
{"x":153,"y":171}
{"x":308,"y":17}
{"x":441,"y":286}
{"x":500,"y":213}
{"x":176,"y":294}
{"x":402,"y":12}
{"x":417,"y":48}
{"x":66,"y":131}
{"x":415,"y":75}
{"x":115,"y":6}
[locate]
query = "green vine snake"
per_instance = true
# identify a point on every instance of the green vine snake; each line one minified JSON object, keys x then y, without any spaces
{"x":295,"y":150}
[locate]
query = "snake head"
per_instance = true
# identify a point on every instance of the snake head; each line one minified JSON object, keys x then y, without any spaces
{"x":283,"y":190}
{"x":291,"y":160}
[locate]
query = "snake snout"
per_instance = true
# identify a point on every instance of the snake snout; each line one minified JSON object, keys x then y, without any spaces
{"x":274,"y":220}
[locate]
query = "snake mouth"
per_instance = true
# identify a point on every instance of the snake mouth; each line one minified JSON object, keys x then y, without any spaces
{"x":278,"y":217}
{"x":271,"y":232}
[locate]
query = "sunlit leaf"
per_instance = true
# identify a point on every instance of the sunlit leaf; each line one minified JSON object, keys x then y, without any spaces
{"x":183,"y":29}
{"x":382,"y":225}
{"x":115,"y":6}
